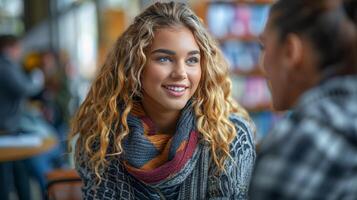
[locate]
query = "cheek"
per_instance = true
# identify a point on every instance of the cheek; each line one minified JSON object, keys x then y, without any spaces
{"x":266,"y":61}
{"x":275,"y":78}
{"x":195,"y":77}
{"x":271,"y":65}
{"x":152,"y":75}
{"x":280,"y":87}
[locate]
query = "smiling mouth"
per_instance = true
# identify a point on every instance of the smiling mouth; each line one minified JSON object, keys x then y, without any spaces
{"x":175,"y":90}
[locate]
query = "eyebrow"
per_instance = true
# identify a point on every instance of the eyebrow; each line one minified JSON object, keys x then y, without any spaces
{"x":193,"y":52}
{"x":170,"y":52}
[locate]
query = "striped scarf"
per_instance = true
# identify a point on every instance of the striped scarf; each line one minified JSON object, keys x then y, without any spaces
{"x":152,"y":157}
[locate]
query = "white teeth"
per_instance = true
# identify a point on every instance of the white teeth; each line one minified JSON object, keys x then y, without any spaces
{"x":176,"y":89}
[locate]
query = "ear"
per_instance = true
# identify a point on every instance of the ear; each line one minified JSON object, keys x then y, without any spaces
{"x":294,"y":52}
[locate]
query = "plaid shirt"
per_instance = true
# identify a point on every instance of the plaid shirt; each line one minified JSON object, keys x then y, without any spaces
{"x":312,"y":153}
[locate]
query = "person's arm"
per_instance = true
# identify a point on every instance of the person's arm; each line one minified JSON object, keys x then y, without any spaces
{"x":16,"y":82}
{"x":235,"y":182}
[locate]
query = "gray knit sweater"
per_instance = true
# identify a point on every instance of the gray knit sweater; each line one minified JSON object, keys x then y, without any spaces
{"x":197,"y":180}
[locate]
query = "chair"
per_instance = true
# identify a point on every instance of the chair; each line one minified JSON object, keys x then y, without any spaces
{"x":64,"y":184}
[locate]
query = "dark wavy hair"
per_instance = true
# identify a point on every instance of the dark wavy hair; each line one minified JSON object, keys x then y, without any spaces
{"x":330,"y":25}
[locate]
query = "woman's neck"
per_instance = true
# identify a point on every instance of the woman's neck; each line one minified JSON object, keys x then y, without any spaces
{"x":164,"y":120}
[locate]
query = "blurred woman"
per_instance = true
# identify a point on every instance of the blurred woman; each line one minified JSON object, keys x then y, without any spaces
{"x":159,"y":121}
{"x":310,"y":53}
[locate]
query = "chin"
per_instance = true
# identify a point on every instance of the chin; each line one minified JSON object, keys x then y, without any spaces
{"x":280,"y":106}
{"x":176,"y":105}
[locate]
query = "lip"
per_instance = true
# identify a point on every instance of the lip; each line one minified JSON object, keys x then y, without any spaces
{"x":174,"y":93}
{"x":176,"y":85}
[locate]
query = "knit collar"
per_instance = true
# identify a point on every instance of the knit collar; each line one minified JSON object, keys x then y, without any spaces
{"x":153,"y":157}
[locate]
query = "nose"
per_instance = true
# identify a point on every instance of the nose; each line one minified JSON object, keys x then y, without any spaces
{"x":261,"y":63}
{"x":179,"y":70}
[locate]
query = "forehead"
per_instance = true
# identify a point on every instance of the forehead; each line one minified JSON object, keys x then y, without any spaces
{"x":269,"y":32}
{"x":178,"y":37}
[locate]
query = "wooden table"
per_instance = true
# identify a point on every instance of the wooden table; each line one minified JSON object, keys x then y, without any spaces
{"x":18,"y":153}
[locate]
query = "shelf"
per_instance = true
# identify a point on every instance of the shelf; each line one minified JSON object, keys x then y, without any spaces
{"x":243,"y":1}
{"x":256,"y":71}
{"x":248,"y":86}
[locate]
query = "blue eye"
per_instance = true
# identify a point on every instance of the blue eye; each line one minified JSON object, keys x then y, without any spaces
{"x":163,"y":59}
{"x":192,"y":60}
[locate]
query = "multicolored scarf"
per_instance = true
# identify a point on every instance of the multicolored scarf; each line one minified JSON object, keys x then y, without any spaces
{"x":152,"y":157}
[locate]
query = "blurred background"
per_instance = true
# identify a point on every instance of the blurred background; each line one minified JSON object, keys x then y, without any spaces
{"x":68,"y":39}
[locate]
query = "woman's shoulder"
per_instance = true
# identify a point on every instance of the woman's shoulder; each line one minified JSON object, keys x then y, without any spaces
{"x":83,"y":157}
{"x":244,"y":139}
{"x":234,"y":182}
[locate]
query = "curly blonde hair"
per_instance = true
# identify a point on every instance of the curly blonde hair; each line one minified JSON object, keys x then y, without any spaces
{"x":101,"y":122}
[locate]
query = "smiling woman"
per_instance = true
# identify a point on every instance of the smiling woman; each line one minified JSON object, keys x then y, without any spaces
{"x":159,"y":121}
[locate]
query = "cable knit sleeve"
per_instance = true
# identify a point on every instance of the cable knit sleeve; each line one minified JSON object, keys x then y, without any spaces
{"x":235,"y":182}
{"x":114,"y":183}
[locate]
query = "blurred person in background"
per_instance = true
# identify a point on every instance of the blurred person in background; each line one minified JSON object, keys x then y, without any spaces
{"x":15,"y":87}
{"x":310,"y":52}
{"x":159,"y":121}
{"x":55,"y":95}
{"x":45,"y":114}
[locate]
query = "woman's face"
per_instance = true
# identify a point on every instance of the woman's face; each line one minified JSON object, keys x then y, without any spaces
{"x":275,"y":68}
{"x":289,"y":66}
{"x":173,"y":69}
